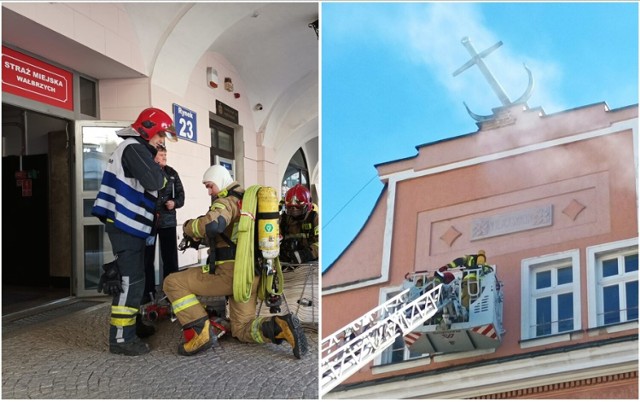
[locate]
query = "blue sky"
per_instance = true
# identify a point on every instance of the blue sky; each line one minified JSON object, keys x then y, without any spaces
{"x":388,"y":86}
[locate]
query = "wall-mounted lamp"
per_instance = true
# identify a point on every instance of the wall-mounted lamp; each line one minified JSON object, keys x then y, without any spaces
{"x":212,"y":77}
{"x":228,"y":84}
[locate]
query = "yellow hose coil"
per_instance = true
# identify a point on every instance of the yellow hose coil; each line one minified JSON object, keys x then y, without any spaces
{"x":244,"y":269}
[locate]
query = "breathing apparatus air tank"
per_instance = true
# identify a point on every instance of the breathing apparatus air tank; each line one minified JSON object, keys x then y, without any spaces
{"x":268,"y":226}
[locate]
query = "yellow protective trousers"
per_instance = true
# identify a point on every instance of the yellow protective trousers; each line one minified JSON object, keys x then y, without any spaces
{"x":183,"y":287}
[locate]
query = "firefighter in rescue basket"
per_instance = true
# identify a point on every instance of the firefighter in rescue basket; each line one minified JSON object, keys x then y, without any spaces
{"x":472,"y":265}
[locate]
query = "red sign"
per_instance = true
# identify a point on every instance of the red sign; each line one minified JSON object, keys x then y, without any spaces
{"x":27,"y":188}
{"x":33,"y":79}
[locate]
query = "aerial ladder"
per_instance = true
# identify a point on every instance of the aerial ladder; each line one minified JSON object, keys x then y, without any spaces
{"x":345,"y":352}
{"x":433,"y":317}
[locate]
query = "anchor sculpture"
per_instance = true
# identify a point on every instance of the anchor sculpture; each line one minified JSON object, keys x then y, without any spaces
{"x":476,"y":58}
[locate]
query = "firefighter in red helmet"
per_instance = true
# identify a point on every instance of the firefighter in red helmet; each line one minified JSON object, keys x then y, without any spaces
{"x":126,"y":204}
{"x":151,"y":122}
{"x":299,"y":227}
{"x":472,"y":265}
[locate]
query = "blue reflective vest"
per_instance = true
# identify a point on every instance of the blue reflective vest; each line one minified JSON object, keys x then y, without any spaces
{"x":122,"y":200}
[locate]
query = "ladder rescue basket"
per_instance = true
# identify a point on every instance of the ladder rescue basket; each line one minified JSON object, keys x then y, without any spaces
{"x":460,"y":313}
{"x":463,"y":324}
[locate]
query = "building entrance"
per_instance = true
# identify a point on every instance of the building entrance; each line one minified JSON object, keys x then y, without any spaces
{"x":36,"y":208}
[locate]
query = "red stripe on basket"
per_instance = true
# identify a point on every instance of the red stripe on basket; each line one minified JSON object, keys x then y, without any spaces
{"x":486,"y":330}
{"x":410,"y":339}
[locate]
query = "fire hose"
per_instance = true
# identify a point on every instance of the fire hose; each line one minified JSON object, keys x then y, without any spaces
{"x":244,"y":270}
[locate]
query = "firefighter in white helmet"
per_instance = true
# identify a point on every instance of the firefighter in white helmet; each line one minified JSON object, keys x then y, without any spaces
{"x":217,"y":229}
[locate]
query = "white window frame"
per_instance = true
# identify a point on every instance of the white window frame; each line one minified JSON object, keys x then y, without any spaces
{"x":595,"y":254}
{"x":528,"y":268}
{"x":385,"y":356}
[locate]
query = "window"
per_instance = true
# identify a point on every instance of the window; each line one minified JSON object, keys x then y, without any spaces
{"x":88,"y":97}
{"x":222,"y":141}
{"x":613,"y":283}
{"x":296,"y":173}
{"x":551,"y":295}
{"x":398,"y":352}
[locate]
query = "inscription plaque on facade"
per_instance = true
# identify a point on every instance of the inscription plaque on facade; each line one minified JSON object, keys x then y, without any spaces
{"x":512,"y":222}
{"x":227,"y":112}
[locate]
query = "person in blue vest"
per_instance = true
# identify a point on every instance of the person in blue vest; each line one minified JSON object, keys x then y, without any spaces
{"x":126,"y":204}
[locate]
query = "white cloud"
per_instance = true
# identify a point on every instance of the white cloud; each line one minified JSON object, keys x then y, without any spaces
{"x":431,"y":34}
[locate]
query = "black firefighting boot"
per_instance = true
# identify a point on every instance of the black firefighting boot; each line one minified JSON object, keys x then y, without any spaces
{"x":133,"y":348}
{"x":143,"y":330}
{"x":286,"y":328}
{"x":203,"y":339}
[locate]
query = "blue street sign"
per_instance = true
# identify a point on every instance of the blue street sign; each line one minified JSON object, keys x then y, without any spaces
{"x":185,"y":122}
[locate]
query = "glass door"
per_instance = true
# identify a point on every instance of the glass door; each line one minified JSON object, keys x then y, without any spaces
{"x":95,"y":142}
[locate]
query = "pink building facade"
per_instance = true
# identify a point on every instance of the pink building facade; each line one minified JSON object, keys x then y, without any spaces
{"x":546,"y":196}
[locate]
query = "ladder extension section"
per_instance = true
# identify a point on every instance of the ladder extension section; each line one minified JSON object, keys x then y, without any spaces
{"x":372,"y":333}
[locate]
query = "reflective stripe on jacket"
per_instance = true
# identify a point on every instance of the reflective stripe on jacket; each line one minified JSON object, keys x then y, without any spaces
{"x":123,"y":199}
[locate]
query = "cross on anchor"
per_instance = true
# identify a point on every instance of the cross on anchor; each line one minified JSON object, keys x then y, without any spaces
{"x":476,"y":58}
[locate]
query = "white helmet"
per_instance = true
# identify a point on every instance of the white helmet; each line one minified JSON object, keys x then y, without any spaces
{"x":218,"y":175}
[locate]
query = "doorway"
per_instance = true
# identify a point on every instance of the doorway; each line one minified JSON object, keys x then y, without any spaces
{"x":36,"y":209}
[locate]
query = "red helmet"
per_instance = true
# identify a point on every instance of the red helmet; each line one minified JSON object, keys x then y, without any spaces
{"x":152,"y":121}
{"x":446,"y":277}
{"x":298,"y":200}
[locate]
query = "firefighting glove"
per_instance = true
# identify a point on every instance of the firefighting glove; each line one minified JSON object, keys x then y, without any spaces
{"x":111,"y":280}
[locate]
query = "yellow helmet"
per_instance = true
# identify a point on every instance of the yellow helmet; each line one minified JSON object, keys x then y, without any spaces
{"x":482,"y":258}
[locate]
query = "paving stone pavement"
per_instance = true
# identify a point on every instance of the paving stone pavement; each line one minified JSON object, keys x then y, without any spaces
{"x":68,"y":358}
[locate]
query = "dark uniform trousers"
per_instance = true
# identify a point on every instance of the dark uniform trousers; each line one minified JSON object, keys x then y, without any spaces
{"x":124,"y":307}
